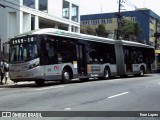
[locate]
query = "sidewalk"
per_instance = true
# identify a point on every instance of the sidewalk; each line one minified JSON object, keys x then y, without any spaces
{"x":10,"y":82}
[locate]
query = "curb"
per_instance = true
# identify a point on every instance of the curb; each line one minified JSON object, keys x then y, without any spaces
{"x":10,"y":82}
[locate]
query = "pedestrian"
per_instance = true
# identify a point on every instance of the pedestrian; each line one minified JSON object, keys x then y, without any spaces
{"x":6,"y":70}
{"x":2,"y":71}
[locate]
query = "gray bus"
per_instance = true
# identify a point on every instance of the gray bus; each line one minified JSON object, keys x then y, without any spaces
{"x":52,"y":54}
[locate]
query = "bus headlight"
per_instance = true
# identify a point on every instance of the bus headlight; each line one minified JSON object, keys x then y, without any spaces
{"x":33,"y":65}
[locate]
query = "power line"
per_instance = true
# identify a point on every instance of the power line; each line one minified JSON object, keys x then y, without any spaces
{"x":129,"y":3}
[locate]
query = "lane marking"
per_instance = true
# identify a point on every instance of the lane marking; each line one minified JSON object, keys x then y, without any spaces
{"x":50,"y":88}
{"x":67,"y":109}
{"x":115,"y":80}
{"x":118,"y":95}
{"x":159,"y":83}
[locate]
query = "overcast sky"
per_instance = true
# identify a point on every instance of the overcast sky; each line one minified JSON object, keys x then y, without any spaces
{"x":106,"y":6}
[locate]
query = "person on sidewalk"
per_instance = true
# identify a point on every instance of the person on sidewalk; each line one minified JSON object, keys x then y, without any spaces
{"x":2,"y":71}
{"x":6,"y":70}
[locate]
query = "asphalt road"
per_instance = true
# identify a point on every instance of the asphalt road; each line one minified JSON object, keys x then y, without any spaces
{"x":118,"y":94}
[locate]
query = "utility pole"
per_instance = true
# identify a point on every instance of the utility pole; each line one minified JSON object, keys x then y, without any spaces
{"x":118,"y":19}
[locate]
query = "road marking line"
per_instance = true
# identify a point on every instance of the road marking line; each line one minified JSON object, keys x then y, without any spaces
{"x":50,"y":88}
{"x":118,"y":95}
{"x":159,"y":83}
{"x":115,"y":80}
{"x":67,"y":108}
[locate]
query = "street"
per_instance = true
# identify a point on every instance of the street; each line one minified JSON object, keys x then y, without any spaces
{"x":117,"y":94}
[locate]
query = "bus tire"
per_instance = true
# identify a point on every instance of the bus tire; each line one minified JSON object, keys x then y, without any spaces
{"x":66,"y":76}
{"x":107,"y":73}
{"x":39,"y":82}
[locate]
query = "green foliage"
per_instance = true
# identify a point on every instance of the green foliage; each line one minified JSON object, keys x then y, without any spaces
{"x":90,"y":31}
{"x":82,"y":30}
{"x":101,"y":31}
{"x":129,"y":30}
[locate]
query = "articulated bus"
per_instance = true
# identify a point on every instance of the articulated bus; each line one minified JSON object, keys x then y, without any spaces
{"x":158,"y":59}
{"x":51,"y":54}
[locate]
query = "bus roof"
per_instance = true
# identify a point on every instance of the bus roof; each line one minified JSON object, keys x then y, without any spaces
{"x":63,"y":33}
{"x":131,"y":43}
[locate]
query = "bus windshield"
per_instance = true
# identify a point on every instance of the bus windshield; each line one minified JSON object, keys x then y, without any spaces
{"x":23,"y":52}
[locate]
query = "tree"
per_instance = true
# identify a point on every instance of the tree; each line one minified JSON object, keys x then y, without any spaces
{"x":82,"y":30}
{"x":90,"y":31}
{"x":129,"y":30}
{"x":101,"y":31}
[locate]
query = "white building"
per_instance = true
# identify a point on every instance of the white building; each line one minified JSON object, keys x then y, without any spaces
{"x":18,"y":16}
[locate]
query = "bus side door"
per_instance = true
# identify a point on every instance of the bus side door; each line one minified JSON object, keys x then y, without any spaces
{"x":81,"y":59}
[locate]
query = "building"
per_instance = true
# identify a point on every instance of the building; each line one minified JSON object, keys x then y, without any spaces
{"x":25,"y":15}
{"x":147,"y":19}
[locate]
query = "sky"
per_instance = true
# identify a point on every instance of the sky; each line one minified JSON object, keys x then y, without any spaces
{"x":106,"y":6}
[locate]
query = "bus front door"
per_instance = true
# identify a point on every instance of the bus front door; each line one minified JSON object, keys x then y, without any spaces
{"x":81,"y":60}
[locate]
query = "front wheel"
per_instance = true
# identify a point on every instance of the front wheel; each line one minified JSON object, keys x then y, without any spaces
{"x":66,"y":76}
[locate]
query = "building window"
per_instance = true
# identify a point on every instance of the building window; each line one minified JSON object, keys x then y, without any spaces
{"x":32,"y":22}
{"x":110,"y":21}
{"x":65,"y":9}
{"x":151,"y":33}
{"x":92,"y":22}
{"x":103,"y":21}
{"x":75,"y":11}
{"x":43,"y":5}
{"x":29,"y":3}
{"x":152,"y":20}
{"x":133,"y":19}
{"x":85,"y":23}
{"x":106,"y":21}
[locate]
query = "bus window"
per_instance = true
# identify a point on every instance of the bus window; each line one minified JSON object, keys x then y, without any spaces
{"x":29,"y":51}
{"x":50,"y":53}
{"x":111,"y":54}
{"x":50,"y":50}
{"x":13,"y":55}
{"x":93,"y":57}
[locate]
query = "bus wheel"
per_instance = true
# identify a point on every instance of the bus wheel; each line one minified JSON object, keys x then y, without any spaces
{"x":106,"y":73}
{"x":39,"y":82}
{"x":66,"y":76}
